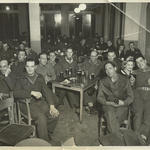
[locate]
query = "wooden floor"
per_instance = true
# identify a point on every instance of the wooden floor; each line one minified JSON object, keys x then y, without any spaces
{"x":85,"y":134}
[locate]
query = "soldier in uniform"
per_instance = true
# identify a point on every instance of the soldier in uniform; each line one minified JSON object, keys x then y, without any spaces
{"x":115,"y":95}
{"x":32,"y":85}
{"x":141,"y":103}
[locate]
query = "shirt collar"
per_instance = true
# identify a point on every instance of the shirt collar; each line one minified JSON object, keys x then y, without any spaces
{"x":69,"y":61}
{"x":96,"y":63}
{"x":33,"y":79}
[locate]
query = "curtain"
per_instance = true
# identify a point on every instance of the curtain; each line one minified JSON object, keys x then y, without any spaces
{"x":9,"y":26}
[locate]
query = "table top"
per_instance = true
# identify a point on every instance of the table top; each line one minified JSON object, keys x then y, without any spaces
{"x":75,"y":85}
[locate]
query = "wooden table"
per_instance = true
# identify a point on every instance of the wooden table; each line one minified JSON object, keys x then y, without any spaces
{"x":79,"y":87}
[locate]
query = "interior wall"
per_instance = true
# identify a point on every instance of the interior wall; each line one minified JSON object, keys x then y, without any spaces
{"x":132,"y":22}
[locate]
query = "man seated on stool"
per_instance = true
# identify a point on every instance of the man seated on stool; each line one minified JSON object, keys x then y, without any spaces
{"x":32,"y":85}
{"x":115,"y":94}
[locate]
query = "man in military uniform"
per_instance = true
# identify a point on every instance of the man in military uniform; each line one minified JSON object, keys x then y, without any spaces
{"x":18,"y":67}
{"x":115,"y":95}
{"x":92,"y":66}
{"x":141,"y":103}
{"x":32,"y":85}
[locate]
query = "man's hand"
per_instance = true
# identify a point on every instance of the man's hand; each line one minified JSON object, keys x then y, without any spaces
{"x":120,"y":103}
{"x":132,"y":80}
{"x":53,"y":111}
{"x":1,"y":96}
{"x":7,"y":72}
{"x":96,"y":86}
{"x":36,"y":94}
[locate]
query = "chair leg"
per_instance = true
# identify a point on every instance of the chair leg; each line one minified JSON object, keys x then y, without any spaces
{"x":19,"y":114}
{"x":15,"y":113}
{"x":34,"y":132}
{"x":11,"y":115}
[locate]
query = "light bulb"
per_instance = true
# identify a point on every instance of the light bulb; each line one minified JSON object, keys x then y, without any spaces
{"x":82,"y":6}
{"x":76,"y":10}
{"x":7,"y":8}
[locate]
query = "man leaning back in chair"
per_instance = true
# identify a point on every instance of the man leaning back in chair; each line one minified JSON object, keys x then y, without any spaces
{"x":115,"y":95}
{"x":32,"y":85}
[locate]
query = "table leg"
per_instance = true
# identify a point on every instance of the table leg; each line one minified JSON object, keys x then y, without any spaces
{"x":53,"y":88}
{"x":81,"y":105}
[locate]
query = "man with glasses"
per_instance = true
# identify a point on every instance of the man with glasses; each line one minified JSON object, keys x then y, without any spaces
{"x":92,"y":67}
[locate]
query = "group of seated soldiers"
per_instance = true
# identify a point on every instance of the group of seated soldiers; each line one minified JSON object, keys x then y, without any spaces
{"x":124,"y":80}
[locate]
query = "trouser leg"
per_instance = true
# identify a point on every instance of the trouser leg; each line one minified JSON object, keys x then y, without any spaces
{"x":51,"y":122}
{"x":111,"y":118}
{"x":145,"y":127}
{"x":138,"y":109}
{"x":73,"y":98}
{"x":60,"y":93}
{"x":41,"y":120}
{"x":89,"y":98}
{"x":122,"y":114}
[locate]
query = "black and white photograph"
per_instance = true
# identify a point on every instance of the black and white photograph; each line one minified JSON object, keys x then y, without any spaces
{"x":74,"y":74}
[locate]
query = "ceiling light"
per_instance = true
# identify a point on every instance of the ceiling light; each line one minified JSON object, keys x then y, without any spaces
{"x":77,"y":10}
{"x":7,"y":8}
{"x":82,"y":6}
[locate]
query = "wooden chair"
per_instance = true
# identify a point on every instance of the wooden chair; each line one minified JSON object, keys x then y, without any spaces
{"x":12,"y":133}
{"x":21,"y":114}
{"x":102,"y":124}
{"x":26,"y":116}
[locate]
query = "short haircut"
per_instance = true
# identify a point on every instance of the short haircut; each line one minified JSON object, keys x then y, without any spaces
{"x":4,"y":59}
{"x":30,"y":60}
{"x":112,"y":63}
{"x":131,"y":43}
{"x":42,"y":53}
{"x":20,"y":50}
{"x":93,"y":52}
{"x":69,"y":48}
{"x":138,"y":56}
{"x":111,"y":51}
{"x":126,"y":61}
{"x":121,"y":45}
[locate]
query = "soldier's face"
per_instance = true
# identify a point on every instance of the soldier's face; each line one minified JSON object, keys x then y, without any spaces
{"x":129,"y":66}
{"x":93,"y":56}
{"x":69,"y":53}
{"x":141,"y":63}
{"x":101,"y":39}
{"x":5,"y":47}
{"x":109,"y":43}
{"x":21,"y":46}
{"x":43,"y":59}
{"x":110,"y":70}
{"x":131,"y":46}
{"x":52,"y":56}
{"x":111,"y":56}
{"x":3,"y":66}
{"x":21,"y":56}
{"x":30,"y":67}
{"x":121,"y":48}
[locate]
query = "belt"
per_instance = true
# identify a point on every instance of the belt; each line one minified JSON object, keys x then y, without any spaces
{"x":144,"y":88}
